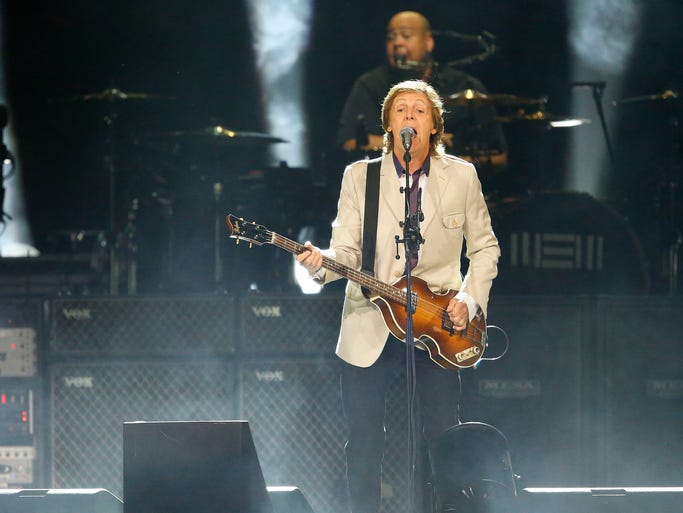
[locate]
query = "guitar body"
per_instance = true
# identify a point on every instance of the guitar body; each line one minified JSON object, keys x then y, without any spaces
{"x":447,"y":347}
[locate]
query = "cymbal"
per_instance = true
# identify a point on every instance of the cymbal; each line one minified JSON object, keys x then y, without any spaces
{"x":669,"y":94}
{"x":543,"y":117}
{"x":472,"y":96}
{"x":222,"y":135}
{"x":117,"y":95}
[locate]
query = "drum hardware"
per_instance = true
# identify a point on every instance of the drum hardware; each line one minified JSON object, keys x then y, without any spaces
{"x":217,"y":135}
{"x":567,"y":242}
{"x":540,"y":122}
{"x":540,"y":116}
{"x":222,"y":162}
{"x":474,"y":97}
{"x":115,"y":95}
{"x":486,"y":41}
{"x":120,"y":236}
{"x":670,"y":185}
{"x":598,"y":88}
{"x":668,"y":94}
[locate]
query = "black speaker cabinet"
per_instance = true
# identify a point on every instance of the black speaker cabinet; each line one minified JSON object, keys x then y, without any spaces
{"x":601,"y":500}
{"x":294,"y":410}
{"x":276,"y":324}
{"x":641,"y":435}
{"x":90,"y":401}
{"x":199,"y":467}
{"x":534,"y":394}
{"x":59,"y":501}
{"x":143,"y":326}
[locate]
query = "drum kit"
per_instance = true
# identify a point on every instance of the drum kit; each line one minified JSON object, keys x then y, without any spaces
{"x":562,"y":240}
{"x":167,"y":193}
{"x":571,"y":243}
{"x":555,"y":240}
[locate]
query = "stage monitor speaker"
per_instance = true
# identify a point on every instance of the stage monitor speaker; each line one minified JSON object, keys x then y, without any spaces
{"x":288,"y":499}
{"x":601,"y":500}
{"x":95,"y":500}
{"x":641,"y":434}
{"x":534,"y":393}
{"x":90,"y":401}
{"x":202,"y":467}
{"x":190,"y":326}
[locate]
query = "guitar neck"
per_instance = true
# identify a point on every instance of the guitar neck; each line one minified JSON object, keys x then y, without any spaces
{"x":354,"y":275}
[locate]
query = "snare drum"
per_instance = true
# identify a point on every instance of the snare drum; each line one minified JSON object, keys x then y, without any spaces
{"x":559,"y":243}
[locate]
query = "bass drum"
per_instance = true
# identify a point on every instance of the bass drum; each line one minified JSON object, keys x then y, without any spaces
{"x":558,"y":243}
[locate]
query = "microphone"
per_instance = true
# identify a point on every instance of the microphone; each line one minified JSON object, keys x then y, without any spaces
{"x":407,"y":133}
{"x":402,"y":62}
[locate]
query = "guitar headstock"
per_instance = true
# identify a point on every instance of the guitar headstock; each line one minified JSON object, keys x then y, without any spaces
{"x":247,"y":231}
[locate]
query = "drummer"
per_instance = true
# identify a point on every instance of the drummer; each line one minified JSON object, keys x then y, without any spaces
{"x":472,"y":131}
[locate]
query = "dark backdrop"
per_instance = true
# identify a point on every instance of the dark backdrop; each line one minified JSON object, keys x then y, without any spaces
{"x":195,"y":60}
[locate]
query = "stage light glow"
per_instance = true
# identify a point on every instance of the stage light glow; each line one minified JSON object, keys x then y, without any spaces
{"x":15,"y":233}
{"x":281,"y":33}
{"x":602,"y":35}
{"x":301,"y":276}
{"x":308,"y":286}
{"x":602,"y":32}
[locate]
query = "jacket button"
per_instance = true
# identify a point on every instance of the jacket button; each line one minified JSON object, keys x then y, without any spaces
{"x":398,"y":274}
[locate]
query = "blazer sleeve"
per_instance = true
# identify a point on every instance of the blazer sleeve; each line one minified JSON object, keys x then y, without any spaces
{"x":345,"y":245}
{"x":483,"y":251}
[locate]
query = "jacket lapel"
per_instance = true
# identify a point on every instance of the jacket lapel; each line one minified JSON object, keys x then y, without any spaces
{"x":390,"y":189}
{"x":437,"y":185}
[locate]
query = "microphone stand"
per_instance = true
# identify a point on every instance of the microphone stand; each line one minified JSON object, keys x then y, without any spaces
{"x":598,"y":88}
{"x":411,"y":241}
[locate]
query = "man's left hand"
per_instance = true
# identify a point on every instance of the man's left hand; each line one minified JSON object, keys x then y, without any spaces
{"x":458,"y":313}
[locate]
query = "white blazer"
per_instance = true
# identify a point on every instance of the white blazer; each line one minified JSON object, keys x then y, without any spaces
{"x":453,"y":207}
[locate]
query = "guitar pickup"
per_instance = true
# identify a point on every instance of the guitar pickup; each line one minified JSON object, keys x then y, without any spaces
{"x":413,"y":301}
{"x":447,"y":324}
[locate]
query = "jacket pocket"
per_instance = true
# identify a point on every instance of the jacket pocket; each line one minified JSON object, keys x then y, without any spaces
{"x":454,"y":220}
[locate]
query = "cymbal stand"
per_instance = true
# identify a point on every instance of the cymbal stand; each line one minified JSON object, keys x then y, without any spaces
{"x":675,"y":226}
{"x":598,"y":88}
{"x":121,"y":238}
{"x":218,"y":237}
{"x":110,"y":167}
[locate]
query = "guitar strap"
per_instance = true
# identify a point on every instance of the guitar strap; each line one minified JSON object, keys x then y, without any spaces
{"x":371,"y":208}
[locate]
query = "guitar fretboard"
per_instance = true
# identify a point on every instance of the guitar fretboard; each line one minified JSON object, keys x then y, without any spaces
{"x":356,"y":276}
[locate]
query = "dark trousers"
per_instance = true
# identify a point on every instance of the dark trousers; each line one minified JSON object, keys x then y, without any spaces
{"x":363,"y":396}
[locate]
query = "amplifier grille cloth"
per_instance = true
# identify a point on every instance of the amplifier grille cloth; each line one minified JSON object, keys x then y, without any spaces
{"x":144,"y":325}
{"x":90,"y":402}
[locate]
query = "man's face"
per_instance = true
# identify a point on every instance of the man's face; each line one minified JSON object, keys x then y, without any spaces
{"x":413,"y":109}
{"x":406,"y":38}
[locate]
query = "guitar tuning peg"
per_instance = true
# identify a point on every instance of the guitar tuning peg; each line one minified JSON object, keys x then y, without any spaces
{"x":237,"y":242}
{"x":251,"y":245}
